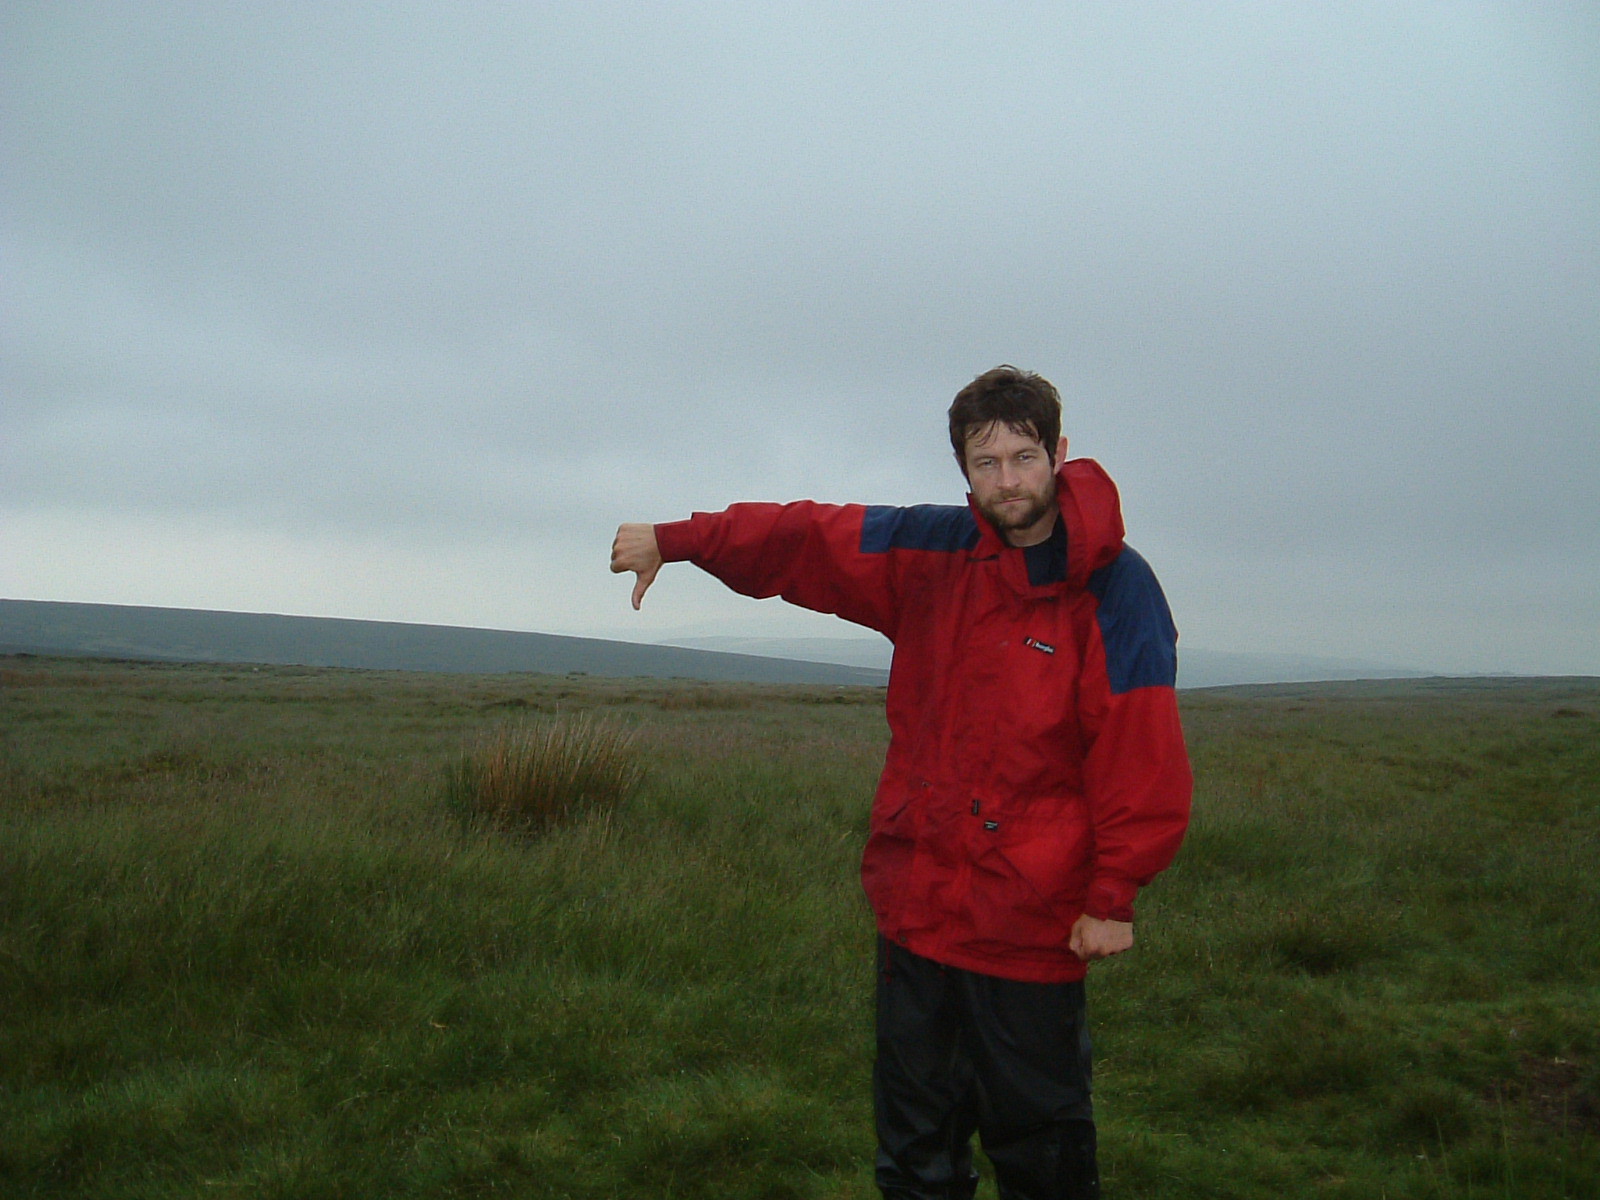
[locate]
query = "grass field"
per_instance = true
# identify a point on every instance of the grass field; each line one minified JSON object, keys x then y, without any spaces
{"x":248,"y":946}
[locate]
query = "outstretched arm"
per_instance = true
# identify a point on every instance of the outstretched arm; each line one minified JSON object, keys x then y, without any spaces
{"x":634,"y":549}
{"x":810,"y":554}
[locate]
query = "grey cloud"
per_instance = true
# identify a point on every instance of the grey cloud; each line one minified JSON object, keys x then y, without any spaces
{"x":1320,"y":285}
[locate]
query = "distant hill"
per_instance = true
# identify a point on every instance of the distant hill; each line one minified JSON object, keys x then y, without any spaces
{"x":1197,"y":668}
{"x":874,"y":651}
{"x":194,"y":635}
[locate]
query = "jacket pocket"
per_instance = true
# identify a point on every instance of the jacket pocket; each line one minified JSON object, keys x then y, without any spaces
{"x":896,"y":809}
{"x":1028,"y":883}
{"x":887,"y":863}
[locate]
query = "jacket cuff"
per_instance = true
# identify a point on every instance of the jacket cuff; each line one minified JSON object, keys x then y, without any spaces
{"x":1110,"y":899}
{"x":674,"y":541}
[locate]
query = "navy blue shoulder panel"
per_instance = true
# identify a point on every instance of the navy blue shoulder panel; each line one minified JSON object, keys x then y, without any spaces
{"x":1135,"y":624}
{"x":943,"y":527}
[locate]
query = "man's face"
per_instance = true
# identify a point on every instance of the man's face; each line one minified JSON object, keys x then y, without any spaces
{"x":1013,"y":482}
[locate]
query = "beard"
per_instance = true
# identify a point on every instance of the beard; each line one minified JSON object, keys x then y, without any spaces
{"x":1008,"y":517}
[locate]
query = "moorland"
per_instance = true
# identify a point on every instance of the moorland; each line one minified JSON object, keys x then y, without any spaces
{"x":252,"y":943}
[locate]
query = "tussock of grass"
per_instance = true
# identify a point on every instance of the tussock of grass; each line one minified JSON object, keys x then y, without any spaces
{"x":529,"y":777}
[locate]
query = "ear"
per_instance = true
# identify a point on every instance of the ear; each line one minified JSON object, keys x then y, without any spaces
{"x":1061,"y":452}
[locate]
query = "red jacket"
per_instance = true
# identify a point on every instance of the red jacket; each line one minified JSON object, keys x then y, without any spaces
{"x":1036,"y":768}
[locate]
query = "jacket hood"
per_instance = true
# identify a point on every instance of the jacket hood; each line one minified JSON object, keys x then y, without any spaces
{"x":1092,"y":511}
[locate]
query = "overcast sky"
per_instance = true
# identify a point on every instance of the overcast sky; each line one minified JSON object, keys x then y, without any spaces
{"x":395,"y":310}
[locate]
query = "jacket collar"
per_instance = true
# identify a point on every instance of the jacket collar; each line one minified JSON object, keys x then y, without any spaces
{"x":1092,"y":511}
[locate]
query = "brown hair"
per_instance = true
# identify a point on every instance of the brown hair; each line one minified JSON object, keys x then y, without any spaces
{"x":1028,"y":404}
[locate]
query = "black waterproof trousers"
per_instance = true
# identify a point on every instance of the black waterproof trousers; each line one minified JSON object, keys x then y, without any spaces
{"x":960,"y":1052}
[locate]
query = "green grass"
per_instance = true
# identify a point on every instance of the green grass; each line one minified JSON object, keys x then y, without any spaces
{"x":247,"y":947}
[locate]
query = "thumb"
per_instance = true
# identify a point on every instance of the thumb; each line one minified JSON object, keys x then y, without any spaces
{"x":641,"y":585}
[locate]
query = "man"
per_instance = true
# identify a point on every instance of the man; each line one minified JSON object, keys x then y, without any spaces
{"x":1036,"y":775}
